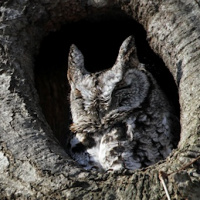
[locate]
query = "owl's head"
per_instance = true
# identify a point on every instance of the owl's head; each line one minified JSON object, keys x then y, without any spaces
{"x":106,"y":94}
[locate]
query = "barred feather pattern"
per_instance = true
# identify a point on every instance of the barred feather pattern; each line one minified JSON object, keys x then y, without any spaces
{"x":121,"y":118}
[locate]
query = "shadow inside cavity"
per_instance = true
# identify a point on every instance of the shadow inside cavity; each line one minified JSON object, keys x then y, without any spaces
{"x":99,"y":41}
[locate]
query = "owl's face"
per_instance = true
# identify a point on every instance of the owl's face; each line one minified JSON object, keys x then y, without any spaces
{"x":97,"y":98}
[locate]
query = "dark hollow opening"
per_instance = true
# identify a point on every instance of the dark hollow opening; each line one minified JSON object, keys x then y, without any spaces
{"x":99,"y":40}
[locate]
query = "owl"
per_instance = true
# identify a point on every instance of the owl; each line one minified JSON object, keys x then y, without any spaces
{"x":121,"y":118}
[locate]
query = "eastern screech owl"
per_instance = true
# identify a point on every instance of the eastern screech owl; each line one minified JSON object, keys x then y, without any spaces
{"x":121,"y":118}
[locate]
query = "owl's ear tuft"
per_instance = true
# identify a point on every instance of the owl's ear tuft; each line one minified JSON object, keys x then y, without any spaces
{"x":76,"y":67}
{"x":75,"y":58}
{"x":127,"y":56}
{"x":128,"y":52}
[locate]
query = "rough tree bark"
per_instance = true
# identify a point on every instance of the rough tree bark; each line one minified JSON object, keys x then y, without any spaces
{"x":32,"y":163}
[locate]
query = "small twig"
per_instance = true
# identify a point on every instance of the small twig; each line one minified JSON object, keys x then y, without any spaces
{"x":162,"y":176}
{"x":185,"y":166}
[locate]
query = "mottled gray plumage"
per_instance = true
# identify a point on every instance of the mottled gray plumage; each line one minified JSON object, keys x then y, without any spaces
{"x":121,"y":118}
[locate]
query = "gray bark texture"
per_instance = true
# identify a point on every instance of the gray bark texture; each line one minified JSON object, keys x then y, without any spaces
{"x":33,"y":165}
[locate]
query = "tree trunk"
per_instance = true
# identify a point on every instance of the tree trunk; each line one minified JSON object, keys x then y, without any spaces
{"x":33,"y":164}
